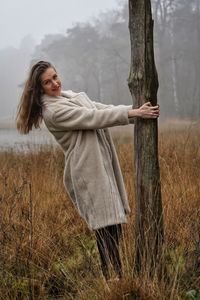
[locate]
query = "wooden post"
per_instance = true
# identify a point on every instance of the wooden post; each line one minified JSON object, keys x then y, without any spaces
{"x":143,"y":85}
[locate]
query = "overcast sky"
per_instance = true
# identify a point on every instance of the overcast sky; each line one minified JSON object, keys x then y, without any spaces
{"x":19,"y":18}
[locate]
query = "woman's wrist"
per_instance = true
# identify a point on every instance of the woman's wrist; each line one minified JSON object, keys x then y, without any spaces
{"x":133,"y":113}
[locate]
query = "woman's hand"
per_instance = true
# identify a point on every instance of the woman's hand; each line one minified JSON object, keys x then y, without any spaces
{"x":146,"y":111}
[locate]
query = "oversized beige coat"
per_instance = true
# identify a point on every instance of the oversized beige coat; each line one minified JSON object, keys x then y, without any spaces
{"x":92,"y":174}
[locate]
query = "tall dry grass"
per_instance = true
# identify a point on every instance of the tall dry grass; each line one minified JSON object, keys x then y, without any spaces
{"x":46,"y":250}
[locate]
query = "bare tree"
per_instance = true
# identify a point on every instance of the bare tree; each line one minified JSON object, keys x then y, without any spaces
{"x":143,"y":84}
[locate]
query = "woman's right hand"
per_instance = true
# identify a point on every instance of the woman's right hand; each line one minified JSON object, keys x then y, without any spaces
{"x":146,"y":111}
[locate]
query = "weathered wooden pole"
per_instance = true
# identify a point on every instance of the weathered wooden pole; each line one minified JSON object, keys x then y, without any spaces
{"x":143,"y":85}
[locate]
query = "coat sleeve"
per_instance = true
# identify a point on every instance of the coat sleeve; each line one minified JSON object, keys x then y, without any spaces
{"x":67,"y":117}
{"x":100,"y":105}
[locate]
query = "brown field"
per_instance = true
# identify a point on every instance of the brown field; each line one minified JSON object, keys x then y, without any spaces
{"x":46,"y":250}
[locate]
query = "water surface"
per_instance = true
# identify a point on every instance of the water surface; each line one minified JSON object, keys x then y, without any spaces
{"x":10,"y":139}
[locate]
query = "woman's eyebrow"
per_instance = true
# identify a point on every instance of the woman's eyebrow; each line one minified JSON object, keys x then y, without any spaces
{"x":53,"y":76}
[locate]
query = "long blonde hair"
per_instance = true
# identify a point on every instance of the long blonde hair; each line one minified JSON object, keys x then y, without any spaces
{"x":29,"y":111}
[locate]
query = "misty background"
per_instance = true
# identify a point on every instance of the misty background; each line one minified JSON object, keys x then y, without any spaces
{"x":91,"y":50}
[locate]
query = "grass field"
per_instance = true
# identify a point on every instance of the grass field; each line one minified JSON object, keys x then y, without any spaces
{"x":46,"y":250}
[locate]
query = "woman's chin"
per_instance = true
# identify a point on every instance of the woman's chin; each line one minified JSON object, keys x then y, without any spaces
{"x":56,"y":93}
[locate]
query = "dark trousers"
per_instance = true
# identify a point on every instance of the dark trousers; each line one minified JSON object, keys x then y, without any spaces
{"x":108,"y":245}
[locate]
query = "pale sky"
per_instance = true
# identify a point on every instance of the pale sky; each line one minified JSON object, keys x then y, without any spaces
{"x":19,"y":18}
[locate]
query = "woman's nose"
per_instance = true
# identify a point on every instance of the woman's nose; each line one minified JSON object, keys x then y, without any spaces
{"x":55,"y":83}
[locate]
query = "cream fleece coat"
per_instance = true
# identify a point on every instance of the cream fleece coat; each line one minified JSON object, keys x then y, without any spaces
{"x":92,"y":174}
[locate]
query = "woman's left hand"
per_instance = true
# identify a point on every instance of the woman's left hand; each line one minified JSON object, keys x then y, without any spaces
{"x":146,"y":111}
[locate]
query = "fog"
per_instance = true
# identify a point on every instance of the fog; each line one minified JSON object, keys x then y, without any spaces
{"x":24,"y":23}
{"x":88,"y":41}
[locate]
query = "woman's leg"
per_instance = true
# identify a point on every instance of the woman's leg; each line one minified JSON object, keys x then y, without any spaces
{"x":115,"y":233}
{"x":103,"y":251}
{"x":108,"y":246}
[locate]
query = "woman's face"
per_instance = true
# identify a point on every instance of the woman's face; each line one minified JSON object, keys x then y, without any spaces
{"x":50,"y":82}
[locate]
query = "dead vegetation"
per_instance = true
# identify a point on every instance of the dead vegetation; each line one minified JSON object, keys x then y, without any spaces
{"x":47,"y":252}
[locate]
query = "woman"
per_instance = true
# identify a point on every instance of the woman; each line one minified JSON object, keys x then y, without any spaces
{"x":92,"y":174}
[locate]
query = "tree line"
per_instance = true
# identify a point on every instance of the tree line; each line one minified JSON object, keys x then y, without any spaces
{"x":95,"y":56}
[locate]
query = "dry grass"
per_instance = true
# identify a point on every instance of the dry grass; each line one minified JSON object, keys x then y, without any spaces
{"x":47,"y":251}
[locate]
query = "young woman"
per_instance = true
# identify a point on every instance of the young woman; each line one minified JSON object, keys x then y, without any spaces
{"x":92,"y":174}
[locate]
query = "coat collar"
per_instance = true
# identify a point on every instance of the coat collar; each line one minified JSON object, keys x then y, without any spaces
{"x":64,"y":94}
